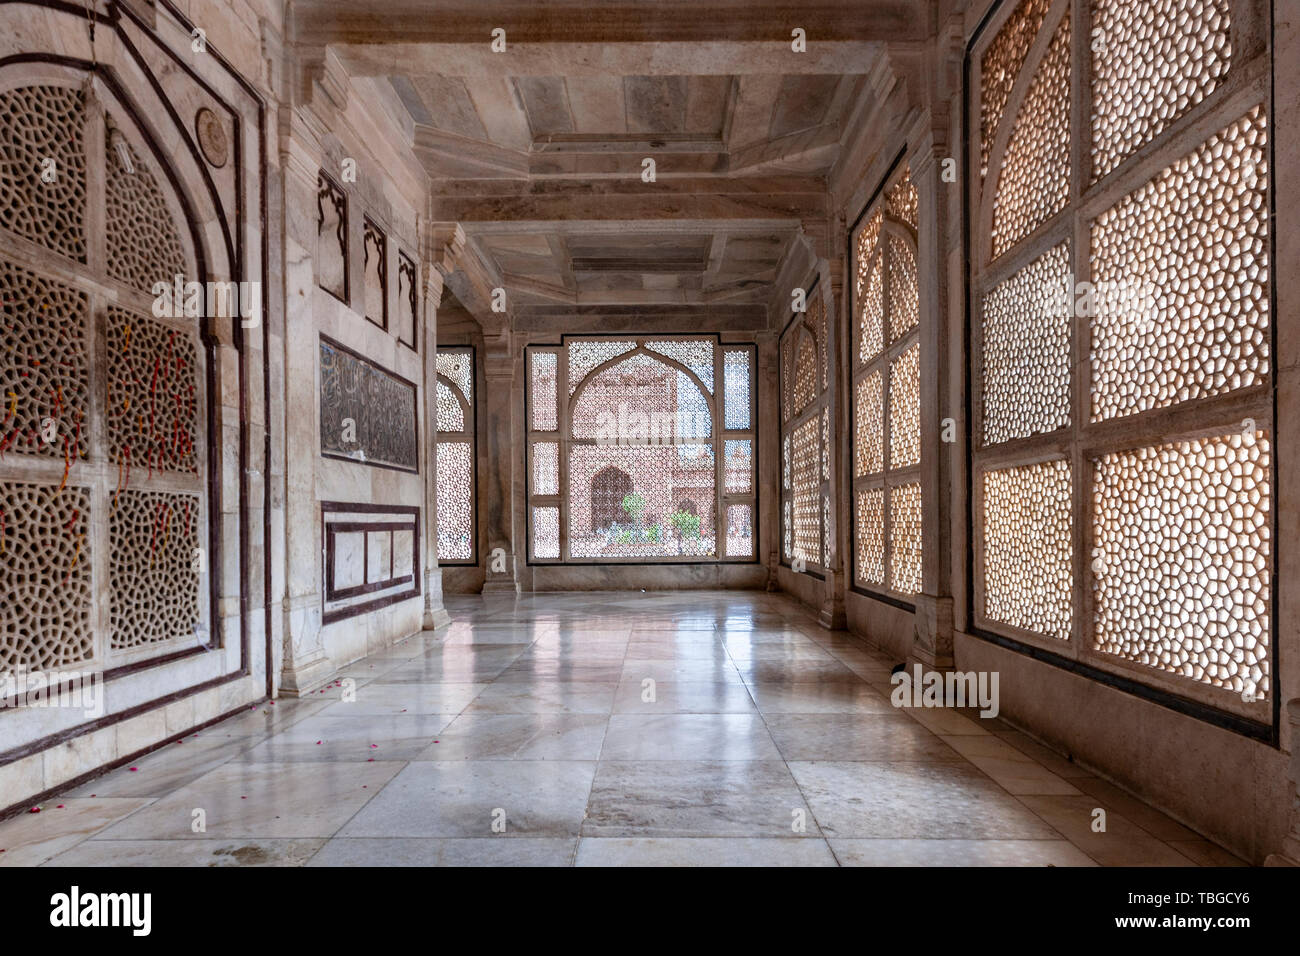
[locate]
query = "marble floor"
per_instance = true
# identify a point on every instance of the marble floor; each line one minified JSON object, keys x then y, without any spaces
{"x":605,"y":729}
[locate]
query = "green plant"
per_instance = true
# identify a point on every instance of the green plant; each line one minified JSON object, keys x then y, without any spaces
{"x":634,"y":505}
{"x":656,"y":532}
{"x":686,"y":524}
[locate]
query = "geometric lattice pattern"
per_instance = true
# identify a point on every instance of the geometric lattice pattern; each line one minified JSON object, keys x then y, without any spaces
{"x":805,"y":373}
{"x":38,"y":124}
{"x":152,"y":395}
{"x":695,"y":354}
{"x":546,"y":532}
{"x":804,"y":481}
{"x":1034,"y":180}
{"x":904,"y":311}
{"x":1181,"y":566}
{"x":451,"y":417}
{"x":868,"y":425}
{"x":886,"y":410}
{"x":142,"y":242}
{"x":1196,"y":236}
{"x":153,"y":568}
{"x":638,"y":464}
{"x":905,"y":408}
{"x":737,"y":395}
{"x":905,"y":538}
{"x":455,"y":455}
{"x":542,"y":399}
{"x":871,"y":536}
{"x":642,"y":501}
{"x":43,"y":373}
{"x":871,"y":299}
{"x":455,"y":501}
{"x":1001,"y":65}
{"x":546,"y":468}
{"x":1026,"y":350}
{"x":45,"y":579}
{"x":584,"y":355}
{"x":1152,"y":61}
{"x":1027,"y":523}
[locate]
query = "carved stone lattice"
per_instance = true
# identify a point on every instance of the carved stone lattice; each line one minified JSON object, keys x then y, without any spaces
{"x":1152,"y":61}
{"x":1181,"y":568}
{"x":736,"y":391}
{"x":153,"y":568}
{"x":805,"y":462}
{"x":805,"y":374}
{"x":451,"y":417}
{"x":905,"y":538}
{"x":1028,"y":570}
{"x":1001,"y":64}
{"x":455,"y":501}
{"x":871,"y":537}
{"x":546,"y":468}
{"x":455,"y":465}
{"x":546,"y":533}
{"x":886,"y":409}
{"x":153,"y":387}
{"x":870,"y":289}
{"x":636,"y":474}
{"x":868,"y":425}
{"x":45,"y":577}
{"x":1157,"y":340}
{"x":43,"y":363}
{"x":1034,"y":181}
{"x":585,"y":355}
{"x":905,"y":408}
{"x":43,"y":167}
{"x":142,"y":242}
{"x":543,"y":396}
{"x":1026,"y":350}
{"x":695,"y":354}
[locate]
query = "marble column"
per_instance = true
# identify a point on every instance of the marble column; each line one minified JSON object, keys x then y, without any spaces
{"x":832,"y":270}
{"x":306,"y":665}
{"x":498,"y":404}
{"x":932,"y":642}
{"x":435,"y":614}
{"x":1290,"y":852}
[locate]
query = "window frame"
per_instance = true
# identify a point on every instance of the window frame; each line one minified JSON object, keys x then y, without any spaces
{"x":469,"y":435}
{"x":1083,"y":442}
{"x":888,"y":477}
{"x":718,"y":437}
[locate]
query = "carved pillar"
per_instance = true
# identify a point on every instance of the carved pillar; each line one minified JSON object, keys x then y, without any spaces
{"x":306,"y":665}
{"x":932,"y":644}
{"x":499,"y":366}
{"x":435,"y":614}
{"x":833,"y":614}
{"x":768,"y":428}
{"x":1290,"y":855}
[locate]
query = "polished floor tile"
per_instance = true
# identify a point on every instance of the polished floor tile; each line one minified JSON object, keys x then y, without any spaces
{"x":750,"y":798}
{"x":479,"y":798}
{"x":698,"y":728}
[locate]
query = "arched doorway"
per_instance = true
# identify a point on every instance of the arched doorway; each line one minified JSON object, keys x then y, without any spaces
{"x":609,"y":487}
